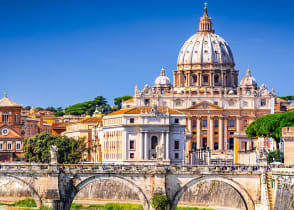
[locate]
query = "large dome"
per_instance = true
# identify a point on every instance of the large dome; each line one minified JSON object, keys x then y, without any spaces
{"x":205,"y":47}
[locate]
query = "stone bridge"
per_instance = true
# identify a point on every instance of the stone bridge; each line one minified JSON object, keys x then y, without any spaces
{"x":58,"y":185}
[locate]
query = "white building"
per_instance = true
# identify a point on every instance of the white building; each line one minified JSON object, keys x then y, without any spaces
{"x":143,"y":135}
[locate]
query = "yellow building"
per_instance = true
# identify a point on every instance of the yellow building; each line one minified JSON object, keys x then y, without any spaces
{"x":83,"y":129}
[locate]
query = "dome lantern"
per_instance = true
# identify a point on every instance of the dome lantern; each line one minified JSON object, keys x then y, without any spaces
{"x":205,"y":24}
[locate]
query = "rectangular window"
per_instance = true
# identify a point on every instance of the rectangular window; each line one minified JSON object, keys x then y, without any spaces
{"x":177,"y":145}
{"x":216,"y":124}
{"x":132,"y":155}
{"x":232,"y":123}
{"x":194,"y":123}
{"x":176,"y":155}
{"x":132,"y":144}
{"x":9,"y":145}
{"x":263,"y":102}
{"x":16,"y":118}
{"x":204,"y":123}
{"x":176,"y":120}
{"x":132,"y":120}
{"x":205,"y":79}
{"x":146,"y":102}
{"x":18,"y":145}
{"x":231,"y":143}
{"x":1,"y":145}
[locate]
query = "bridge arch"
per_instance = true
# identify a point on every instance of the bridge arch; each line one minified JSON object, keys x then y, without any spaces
{"x":35,"y":194}
{"x":142,"y":196}
{"x":248,"y":202}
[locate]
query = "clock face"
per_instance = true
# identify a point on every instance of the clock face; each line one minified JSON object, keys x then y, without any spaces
{"x":5,"y":131}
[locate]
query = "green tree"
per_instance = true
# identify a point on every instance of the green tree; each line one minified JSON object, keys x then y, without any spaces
{"x":274,"y":156}
{"x":38,"y":108}
{"x":287,"y":97}
{"x":27,"y":108}
{"x":37,"y":148}
{"x":118,"y":100}
{"x":159,"y":202}
{"x":58,"y":114}
{"x":270,"y":125}
{"x":88,"y":107}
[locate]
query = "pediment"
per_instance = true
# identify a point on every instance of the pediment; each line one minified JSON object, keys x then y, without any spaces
{"x":205,"y":105}
{"x":11,"y":133}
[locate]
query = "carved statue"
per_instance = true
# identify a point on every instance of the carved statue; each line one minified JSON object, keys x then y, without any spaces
{"x":53,"y":153}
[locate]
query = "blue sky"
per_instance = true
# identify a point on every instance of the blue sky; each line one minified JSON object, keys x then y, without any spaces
{"x":61,"y":52}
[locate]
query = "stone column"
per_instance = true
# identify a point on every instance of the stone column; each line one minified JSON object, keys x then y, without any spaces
{"x":220,"y":133}
{"x":238,"y":123}
{"x":200,"y":79}
{"x":198,"y":132}
{"x":187,"y":79}
{"x":162,"y":141}
{"x":179,"y":79}
{"x":189,"y":124}
{"x":225,"y":134}
{"x":175,"y":78}
{"x":146,"y":145}
{"x":211,"y":133}
{"x":141,"y":146}
{"x":167,"y":146}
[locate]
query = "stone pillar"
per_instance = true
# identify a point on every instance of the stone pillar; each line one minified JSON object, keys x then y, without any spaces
{"x":210,"y":133}
{"x":238,"y":123}
{"x":162,"y":142}
{"x":220,"y":133}
{"x":222,"y":75}
{"x":146,"y":145}
{"x":175,"y":78}
{"x":167,"y":146}
{"x":141,"y":146}
{"x":187,"y":79}
{"x":225,"y":134}
{"x":198,"y":132}
{"x":179,"y":79}
{"x":200,"y":79}
{"x":189,"y":124}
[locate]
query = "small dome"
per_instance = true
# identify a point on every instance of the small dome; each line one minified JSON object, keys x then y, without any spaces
{"x":162,"y":80}
{"x":248,"y":80}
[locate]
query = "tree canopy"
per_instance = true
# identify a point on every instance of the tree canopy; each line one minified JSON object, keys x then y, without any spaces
{"x":118,"y":100}
{"x":287,"y":97}
{"x":88,"y":107}
{"x":270,"y":125}
{"x":37,"y":148}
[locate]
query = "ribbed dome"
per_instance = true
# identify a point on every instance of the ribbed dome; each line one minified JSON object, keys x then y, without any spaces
{"x":248,"y":80}
{"x":205,"y":47}
{"x":162,"y":80}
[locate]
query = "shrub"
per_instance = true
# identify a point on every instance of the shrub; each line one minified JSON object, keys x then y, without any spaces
{"x":159,"y":202}
{"x":28,"y":202}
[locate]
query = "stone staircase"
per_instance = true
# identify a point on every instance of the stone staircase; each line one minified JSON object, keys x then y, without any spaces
{"x":270,"y":190}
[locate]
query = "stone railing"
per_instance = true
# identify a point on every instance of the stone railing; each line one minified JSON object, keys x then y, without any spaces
{"x":127,"y":169}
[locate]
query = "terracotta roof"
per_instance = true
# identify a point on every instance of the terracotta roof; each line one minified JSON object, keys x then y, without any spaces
{"x":6,"y":102}
{"x":89,"y":120}
{"x":138,"y":110}
{"x":60,"y":125}
{"x":129,"y":100}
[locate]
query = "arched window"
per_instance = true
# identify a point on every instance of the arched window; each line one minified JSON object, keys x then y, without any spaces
{"x":5,"y":117}
{"x":154,"y":142}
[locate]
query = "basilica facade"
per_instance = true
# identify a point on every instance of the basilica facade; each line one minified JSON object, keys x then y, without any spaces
{"x":207,"y":90}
